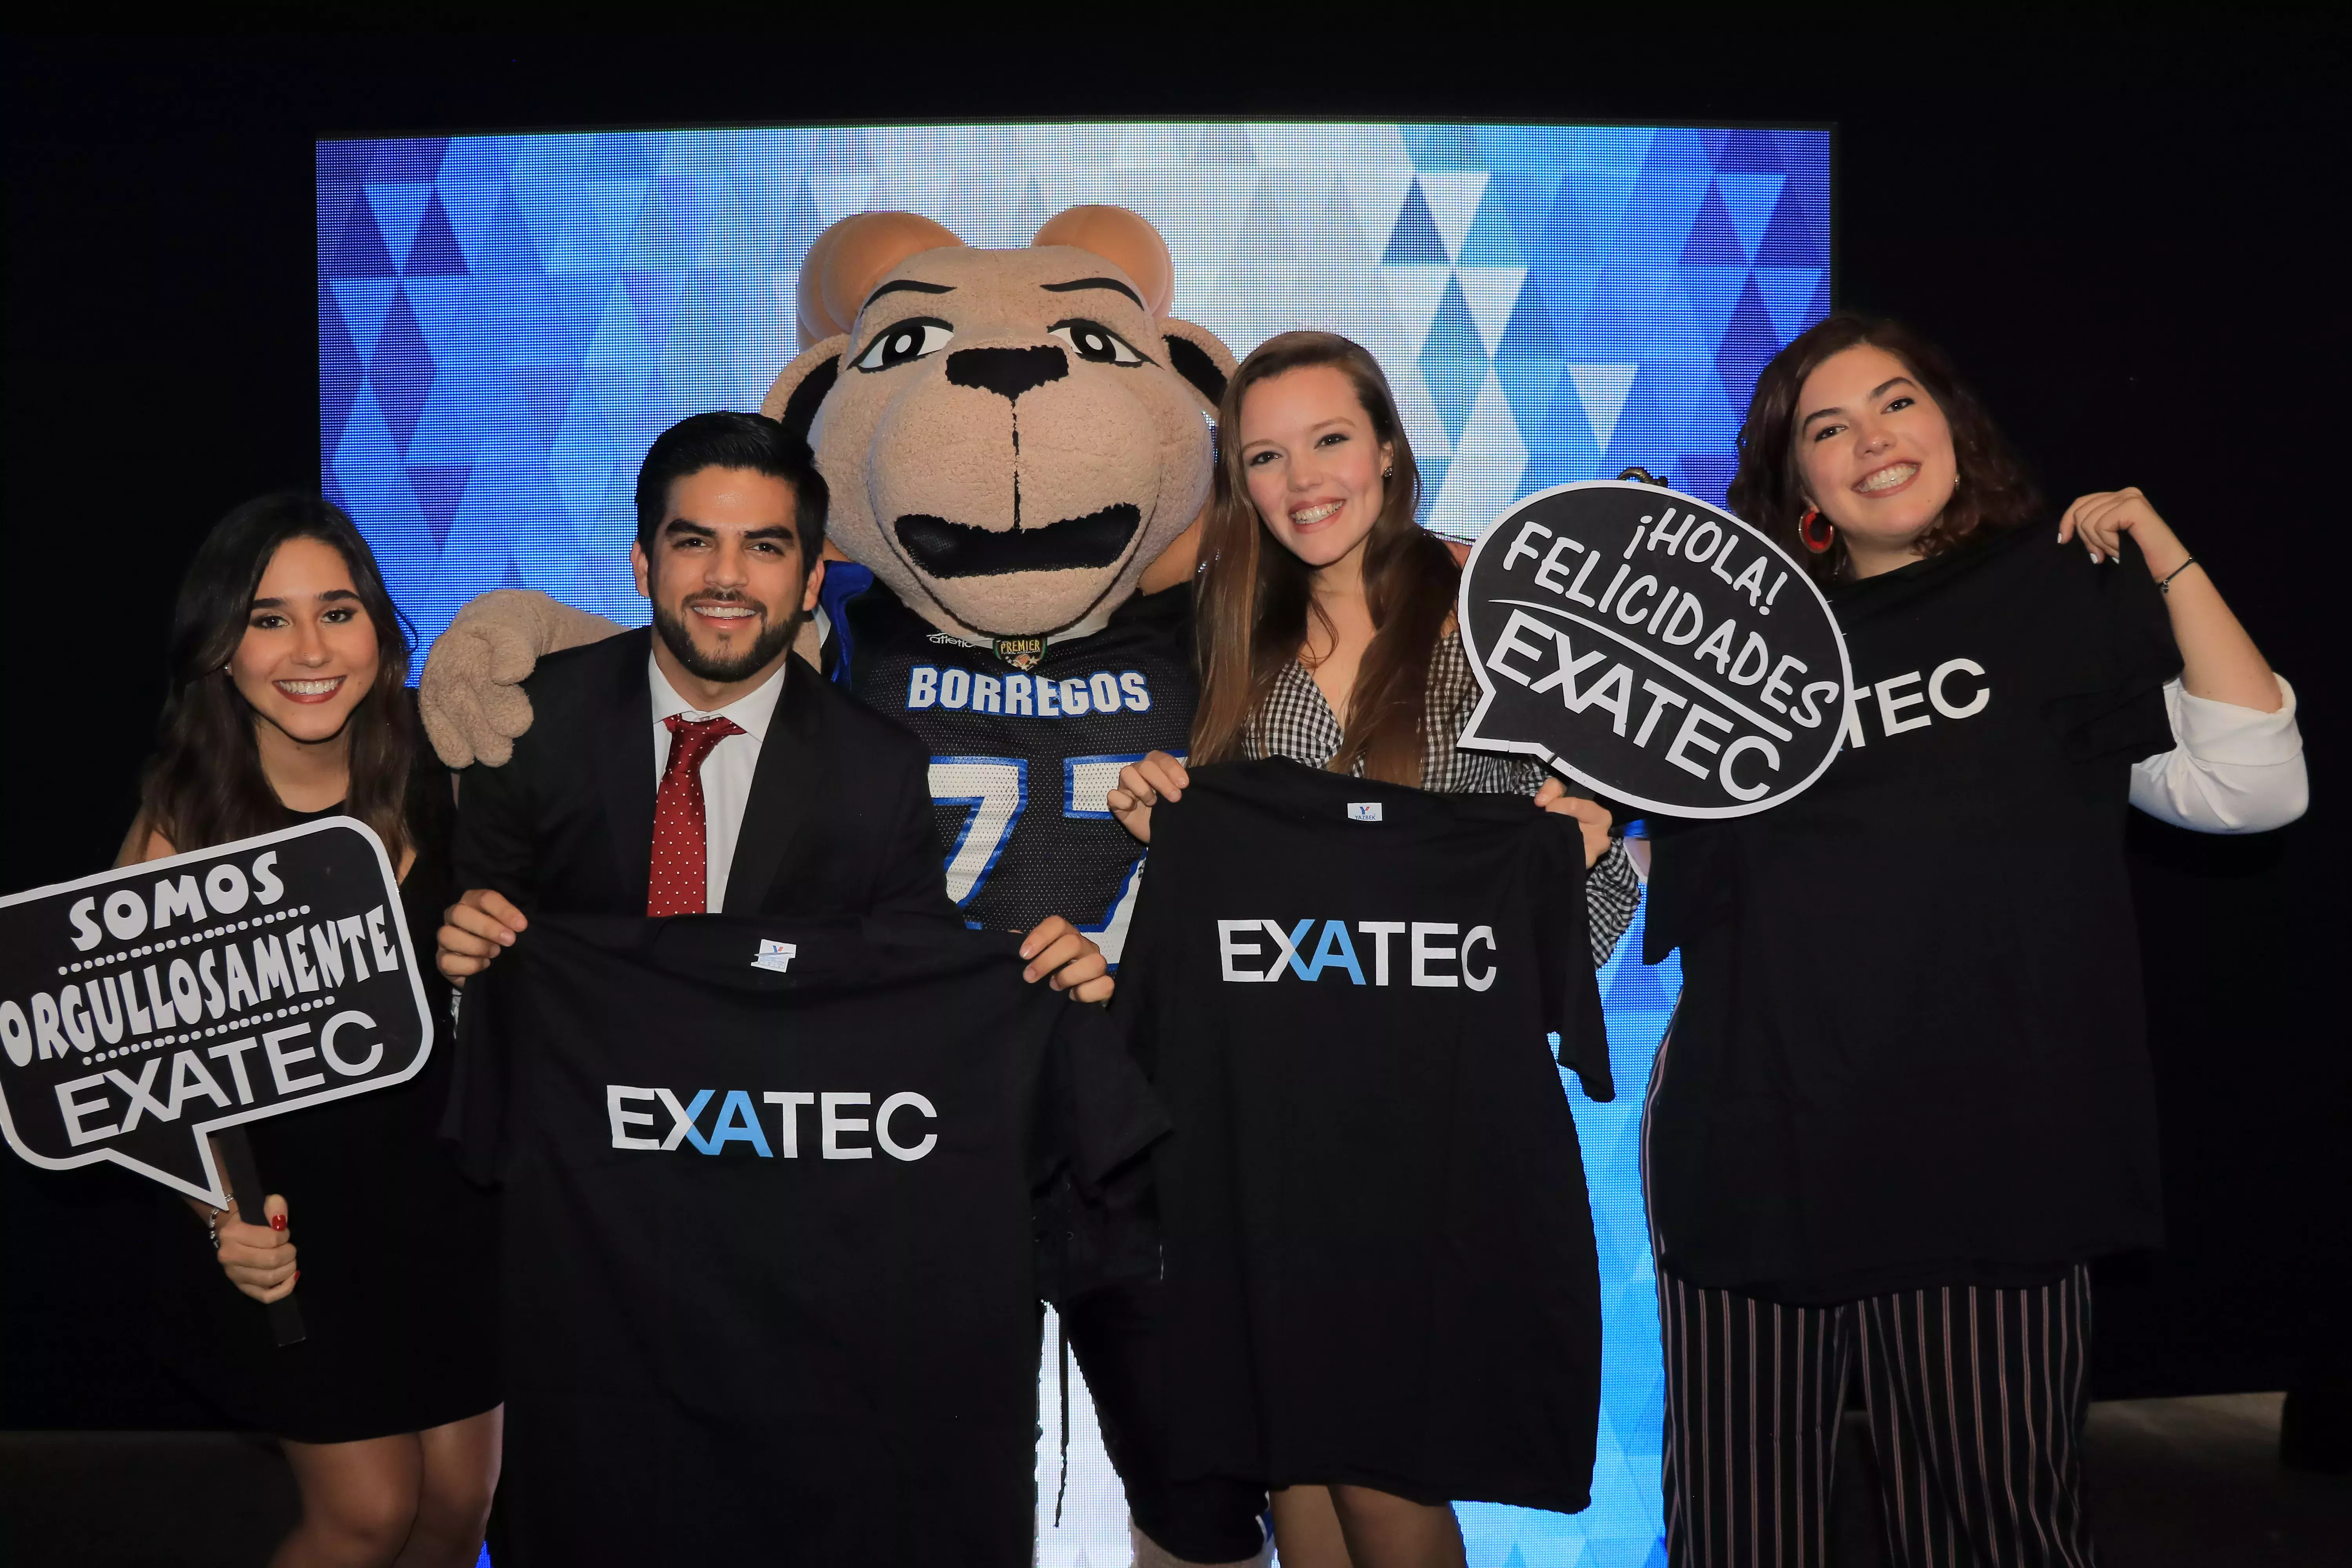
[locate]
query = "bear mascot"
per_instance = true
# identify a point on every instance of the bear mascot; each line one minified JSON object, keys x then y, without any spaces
{"x":1018,"y":447}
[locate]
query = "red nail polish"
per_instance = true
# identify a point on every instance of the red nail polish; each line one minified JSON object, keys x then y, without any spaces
{"x":297,"y":1277}
{"x":278,"y":1221}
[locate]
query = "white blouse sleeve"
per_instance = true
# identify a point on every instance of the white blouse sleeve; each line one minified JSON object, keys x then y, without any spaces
{"x":2235,"y":770}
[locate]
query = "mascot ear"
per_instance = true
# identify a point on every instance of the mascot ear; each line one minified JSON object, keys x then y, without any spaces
{"x":846,"y":260}
{"x":1123,"y":238}
{"x":1198,"y":356}
{"x":793,"y":401}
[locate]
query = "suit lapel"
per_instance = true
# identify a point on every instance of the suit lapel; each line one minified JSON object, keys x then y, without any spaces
{"x":783,"y":787}
{"x":625,"y":769}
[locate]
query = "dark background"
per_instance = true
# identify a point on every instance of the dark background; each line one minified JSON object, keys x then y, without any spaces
{"x":2128,"y":234}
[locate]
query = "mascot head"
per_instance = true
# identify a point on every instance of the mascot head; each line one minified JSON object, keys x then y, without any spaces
{"x":1011,"y":436}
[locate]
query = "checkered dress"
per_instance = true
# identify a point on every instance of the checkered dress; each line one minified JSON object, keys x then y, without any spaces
{"x":1295,"y":721}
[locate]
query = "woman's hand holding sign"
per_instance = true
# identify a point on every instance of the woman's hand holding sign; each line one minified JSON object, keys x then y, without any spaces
{"x":1591,"y":816}
{"x":257,"y":1259}
{"x":474,"y":930}
{"x":1142,"y":785}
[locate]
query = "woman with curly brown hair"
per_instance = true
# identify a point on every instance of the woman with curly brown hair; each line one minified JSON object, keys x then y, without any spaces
{"x":1906,"y":1098}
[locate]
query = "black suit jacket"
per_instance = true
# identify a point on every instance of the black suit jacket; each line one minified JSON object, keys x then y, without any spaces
{"x":838,"y":822}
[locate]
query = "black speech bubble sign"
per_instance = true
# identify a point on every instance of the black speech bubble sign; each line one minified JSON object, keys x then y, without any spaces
{"x":1722,"y":693}
{"x":145,"y":1007}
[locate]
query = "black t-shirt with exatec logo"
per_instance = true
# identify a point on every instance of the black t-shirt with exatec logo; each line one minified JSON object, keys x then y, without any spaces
{"x":1910,"y":1047}
{"x":1380,"y":1250}
{"x":768,"y":1280}
{"x":1027,"y":736}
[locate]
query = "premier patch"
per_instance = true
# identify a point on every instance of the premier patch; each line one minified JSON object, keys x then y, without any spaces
{"x":1021,"y":653}
{"x":1363,"y":811}
{"x":774,"y":955}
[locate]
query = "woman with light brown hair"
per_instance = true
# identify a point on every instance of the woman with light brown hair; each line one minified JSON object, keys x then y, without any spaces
{"x":1325,"y":627}
{"x":1325,"y":613}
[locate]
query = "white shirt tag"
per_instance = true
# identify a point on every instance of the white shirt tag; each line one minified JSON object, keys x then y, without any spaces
{"x":775,"y":955}
{"x":1363,"y":811}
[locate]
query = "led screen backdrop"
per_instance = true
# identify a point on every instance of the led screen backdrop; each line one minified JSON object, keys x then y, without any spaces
{"x":506,"y":321}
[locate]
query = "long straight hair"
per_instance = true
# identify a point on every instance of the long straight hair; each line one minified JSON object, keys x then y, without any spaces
{"x":1256,"y":596}
{"x":205,"y":783}
{"x":1993,"y":495}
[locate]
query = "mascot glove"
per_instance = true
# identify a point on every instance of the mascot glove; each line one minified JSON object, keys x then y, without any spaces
{"x":471,"y":695}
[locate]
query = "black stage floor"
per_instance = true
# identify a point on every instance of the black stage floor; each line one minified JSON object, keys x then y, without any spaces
{"x":2174,"y":1482}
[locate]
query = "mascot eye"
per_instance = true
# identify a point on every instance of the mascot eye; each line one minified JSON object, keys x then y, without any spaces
{"x":1096,"y":343}
{"x":903,"y":343}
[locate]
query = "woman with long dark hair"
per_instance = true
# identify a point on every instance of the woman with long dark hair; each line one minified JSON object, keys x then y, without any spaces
{"x":1325,"y":629}
{"x":1906,"y":1098}
{"x":289,"y":703}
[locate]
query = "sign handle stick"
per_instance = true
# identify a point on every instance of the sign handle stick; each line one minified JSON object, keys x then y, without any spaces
{"x":244,"y":1180}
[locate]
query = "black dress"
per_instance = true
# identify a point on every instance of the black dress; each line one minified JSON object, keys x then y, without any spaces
{"x":398,"y":1252}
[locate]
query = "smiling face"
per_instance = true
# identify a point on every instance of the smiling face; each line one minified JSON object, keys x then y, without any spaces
{"x":1314,"y":462}
{"x":310,"y":653}
{"x":726,"y":580}
{"x":1007,"y":440}
{"x":1874,"y":452}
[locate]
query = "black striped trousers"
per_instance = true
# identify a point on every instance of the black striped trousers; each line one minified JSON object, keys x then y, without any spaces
{"x":1976,"y":1398}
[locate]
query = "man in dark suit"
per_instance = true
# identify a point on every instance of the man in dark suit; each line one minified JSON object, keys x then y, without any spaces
{"x":696,"y":765}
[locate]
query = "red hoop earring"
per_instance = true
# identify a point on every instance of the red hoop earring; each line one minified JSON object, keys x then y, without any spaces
{"x":1819,"y":542}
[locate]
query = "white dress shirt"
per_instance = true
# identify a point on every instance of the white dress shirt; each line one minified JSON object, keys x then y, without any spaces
{"x":2236,"y":770}
{"x":726,"y":770}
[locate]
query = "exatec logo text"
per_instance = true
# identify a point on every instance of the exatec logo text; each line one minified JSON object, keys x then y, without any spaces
{"x":1429,"y":954}
{"x":840,"y":1134}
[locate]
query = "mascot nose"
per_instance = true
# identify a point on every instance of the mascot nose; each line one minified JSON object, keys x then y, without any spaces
{"x":1008,"y":372}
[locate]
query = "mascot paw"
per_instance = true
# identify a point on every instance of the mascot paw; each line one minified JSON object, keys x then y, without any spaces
{"x":471,"y":694}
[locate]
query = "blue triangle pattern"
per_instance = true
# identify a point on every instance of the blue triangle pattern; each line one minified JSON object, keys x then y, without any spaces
{"x":339,"y":371}
{"x":1433,"y":480}
{"x":1714,"y":240}
{"x":1527,"y":361}
{"x":398,"y":207}
{"x":1493,"y":241}
{"x":1749,"y":152}
{"x":1707,"y":475}
{"x":359,"y":250}
{"x":1414,"y":241}
{"x":410,"y":158}
{"x":342,"y":164}
{"x":401,"y":371}
{"x":1797,"y":234}
{"x":1749,"y":200}
{"x":1749,"y":342}
{"x":1444,"y":148}
{"x":434,"y":253}
{"x":440,"y":487}
{"x":1453,"y":359}
{"x":507,"y":244}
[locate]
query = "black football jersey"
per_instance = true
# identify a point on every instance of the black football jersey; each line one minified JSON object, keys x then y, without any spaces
{"x":1025,"y":744}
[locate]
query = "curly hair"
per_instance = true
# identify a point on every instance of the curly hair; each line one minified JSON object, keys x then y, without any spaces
{"x":1994,"y":493}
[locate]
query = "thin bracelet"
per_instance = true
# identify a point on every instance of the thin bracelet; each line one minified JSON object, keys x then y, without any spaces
{"x":2165,"y":587}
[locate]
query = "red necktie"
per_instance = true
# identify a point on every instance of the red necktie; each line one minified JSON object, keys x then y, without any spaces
{"x":679,"y":883}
